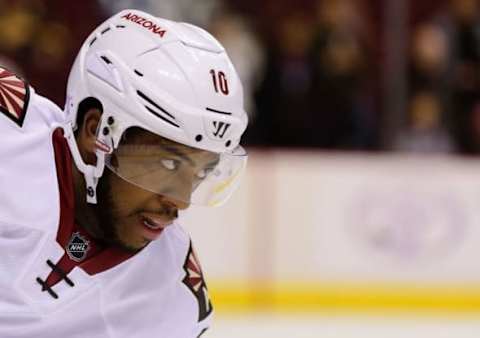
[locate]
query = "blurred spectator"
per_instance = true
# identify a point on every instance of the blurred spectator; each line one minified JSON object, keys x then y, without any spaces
{"x":429,"y":59}
{"x":284,"y":111}
{"x":461,"y":23}
{"x":316,"y":91}
{"x":43,"y":36}
{"x":474,"y":130}
{"x":18,"y":23}
{"x":425,"y":132}
{"x":342,"y":90}
{"x":429,"y":88}
{"x":445,"y":60}
{"x":51,"y":46}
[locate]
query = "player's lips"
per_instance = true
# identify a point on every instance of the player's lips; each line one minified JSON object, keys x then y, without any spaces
{"x":152,"y":225}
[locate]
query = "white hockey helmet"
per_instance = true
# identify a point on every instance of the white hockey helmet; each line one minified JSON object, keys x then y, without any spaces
{"x":171,"y":79}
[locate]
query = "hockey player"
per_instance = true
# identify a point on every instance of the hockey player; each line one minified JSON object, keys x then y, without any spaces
{"x":89,"y":196}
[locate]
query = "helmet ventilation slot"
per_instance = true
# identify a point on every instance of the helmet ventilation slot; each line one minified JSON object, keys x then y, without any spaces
{"x":218,"y":111}
{"x":103,"y":32}
{"x":106,"y":60}
{"x":162,"y":113}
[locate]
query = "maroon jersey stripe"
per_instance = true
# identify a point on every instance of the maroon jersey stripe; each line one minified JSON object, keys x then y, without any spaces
{"x":13,"y":83}
{"x":16,"y":92}
{"x":10,"y":103}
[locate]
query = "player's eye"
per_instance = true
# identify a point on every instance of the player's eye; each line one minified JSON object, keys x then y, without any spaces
{"x":169,"y":164}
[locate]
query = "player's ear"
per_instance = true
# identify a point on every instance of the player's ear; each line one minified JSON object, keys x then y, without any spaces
{"x":87,"y":135}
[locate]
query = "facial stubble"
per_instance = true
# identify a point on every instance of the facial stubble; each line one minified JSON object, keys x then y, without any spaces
{"x":108,"y":213}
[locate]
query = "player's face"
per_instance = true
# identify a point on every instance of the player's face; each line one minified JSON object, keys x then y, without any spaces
{"x":130,"y":215}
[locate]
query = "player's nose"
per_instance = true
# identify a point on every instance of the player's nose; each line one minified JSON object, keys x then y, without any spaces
{"x":181,"y":205}
{"x":175,"y":202}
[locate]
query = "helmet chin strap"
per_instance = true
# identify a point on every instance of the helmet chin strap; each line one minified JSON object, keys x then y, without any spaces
{"x":92,"y":173}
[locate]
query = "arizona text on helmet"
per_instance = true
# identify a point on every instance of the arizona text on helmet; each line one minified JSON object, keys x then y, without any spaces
{"x":145,"y":23}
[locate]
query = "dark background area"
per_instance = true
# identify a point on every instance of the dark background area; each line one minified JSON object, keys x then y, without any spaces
{"x":346,"y":75}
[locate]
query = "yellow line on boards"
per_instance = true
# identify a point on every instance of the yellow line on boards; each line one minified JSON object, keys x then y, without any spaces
{"x":342,"y":297}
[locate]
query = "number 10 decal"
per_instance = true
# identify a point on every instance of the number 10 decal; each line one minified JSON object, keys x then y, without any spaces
{"x":219,"y":81}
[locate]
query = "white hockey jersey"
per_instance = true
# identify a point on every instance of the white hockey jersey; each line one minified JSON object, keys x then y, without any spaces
{"x":158,"y":292}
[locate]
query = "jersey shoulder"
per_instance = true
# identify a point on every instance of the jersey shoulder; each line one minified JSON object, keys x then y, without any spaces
{"x":171,"y":288}
{"x":193,"y":275}
{"x":21,"y":108}
{"x":28,"y":184}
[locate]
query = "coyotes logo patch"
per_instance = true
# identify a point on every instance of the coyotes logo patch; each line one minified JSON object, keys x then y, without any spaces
{"x":195,"y":282}
{"x":14,"y":96}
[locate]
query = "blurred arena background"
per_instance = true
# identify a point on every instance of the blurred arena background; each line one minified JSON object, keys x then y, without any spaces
{"x":359,"y":213}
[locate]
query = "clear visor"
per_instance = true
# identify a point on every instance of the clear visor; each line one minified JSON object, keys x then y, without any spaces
{"x":176,"y":171}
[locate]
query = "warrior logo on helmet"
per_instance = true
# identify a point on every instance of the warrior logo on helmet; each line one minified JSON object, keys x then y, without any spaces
{"x":195,"y":282}
{"x":220,"y":128}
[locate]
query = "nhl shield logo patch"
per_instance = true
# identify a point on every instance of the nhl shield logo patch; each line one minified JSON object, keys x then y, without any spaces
{"x":77,"y":247}
{"x":14,"y":96}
